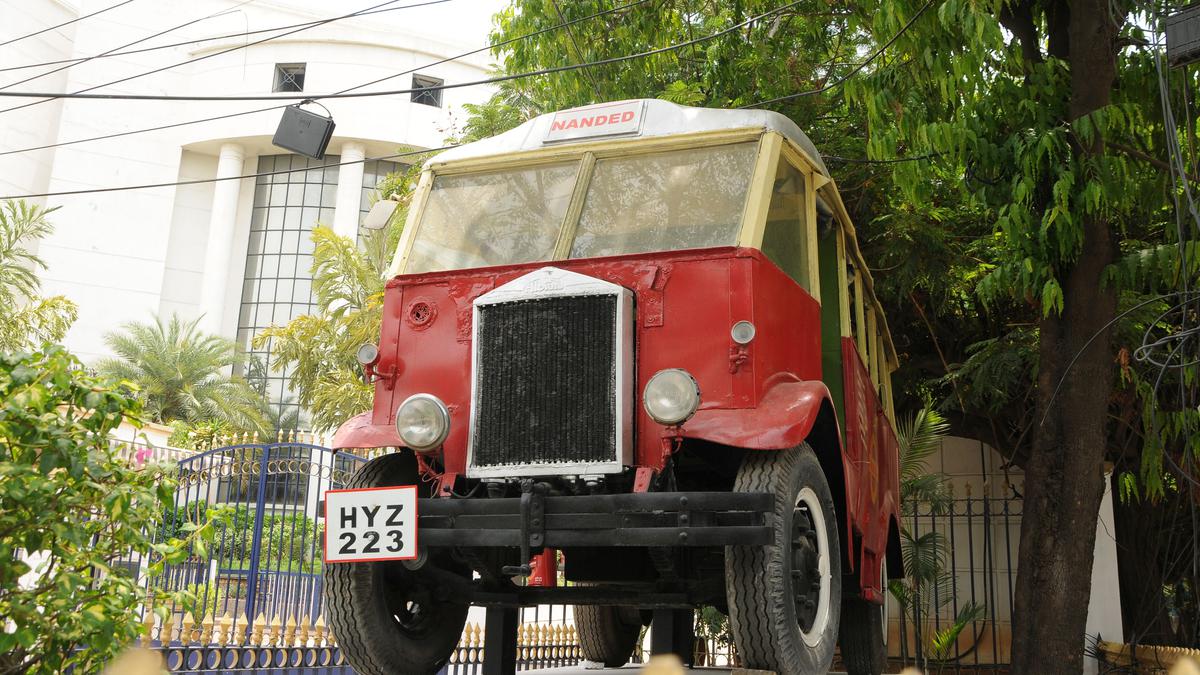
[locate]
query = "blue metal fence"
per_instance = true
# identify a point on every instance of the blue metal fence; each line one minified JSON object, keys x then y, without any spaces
{"x":258,"y":585}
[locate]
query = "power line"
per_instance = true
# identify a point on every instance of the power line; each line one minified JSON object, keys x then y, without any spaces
{"x":65,"y":23}
{"x":46,"y":98}
{"x":76,"y":62}
{"x":146,"y":186}
{"x":394,"y":92}
{"x":173,"y":125}
{"x":143,"y":50}
{"x":852,"y":73}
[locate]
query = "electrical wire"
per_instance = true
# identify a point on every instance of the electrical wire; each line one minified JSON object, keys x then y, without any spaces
{"x":173,"y":125}
{"x":82,"y":93}
{"x":200,"y":181}
{"x":85,"y":59}
{"x":65,"y":23}
{"x":215,"y":118}
{"x":394,"y":92}
{"x":854,"y":71}
{"x":211,"y":38}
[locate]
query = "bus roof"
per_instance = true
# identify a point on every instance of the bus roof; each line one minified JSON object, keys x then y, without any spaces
{"x":653,"y":117}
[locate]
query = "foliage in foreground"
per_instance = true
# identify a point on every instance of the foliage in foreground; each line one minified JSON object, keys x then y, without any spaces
{"x":181,"y":374}
{"x":28,"y":319}
{"x":71,"y":510}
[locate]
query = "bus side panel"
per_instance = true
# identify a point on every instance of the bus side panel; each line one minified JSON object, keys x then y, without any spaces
{"x":871,"y":444}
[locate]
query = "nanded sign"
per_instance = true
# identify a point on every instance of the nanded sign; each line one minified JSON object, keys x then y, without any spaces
{"x":609,"y":119}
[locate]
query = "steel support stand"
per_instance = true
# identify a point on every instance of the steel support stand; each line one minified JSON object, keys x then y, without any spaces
{"x":672,"y":631}
{"x":500,"y":641}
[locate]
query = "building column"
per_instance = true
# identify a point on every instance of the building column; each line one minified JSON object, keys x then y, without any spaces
{"x":349,"y":190}
{"x":221,"y":226}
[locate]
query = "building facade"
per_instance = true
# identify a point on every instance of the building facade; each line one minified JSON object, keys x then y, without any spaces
{"x":235,"y":252}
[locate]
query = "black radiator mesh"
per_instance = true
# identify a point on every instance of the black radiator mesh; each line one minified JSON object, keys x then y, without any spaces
{"x":546,"y":381}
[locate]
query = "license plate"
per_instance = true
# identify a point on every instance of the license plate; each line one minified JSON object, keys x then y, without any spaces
{"x":371,"y":524}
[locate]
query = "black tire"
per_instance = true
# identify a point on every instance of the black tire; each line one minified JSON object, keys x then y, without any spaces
{"x":385,"y":623}
{"x":607,"y":634}
{"x":863,"y":634}
{"x":775,"y":625}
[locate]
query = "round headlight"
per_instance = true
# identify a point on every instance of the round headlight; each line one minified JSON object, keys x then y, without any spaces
{"x":423,"y":422}
{"x":367,"y":354}
{"x":671,"y":396}
{"x":742,"y":332}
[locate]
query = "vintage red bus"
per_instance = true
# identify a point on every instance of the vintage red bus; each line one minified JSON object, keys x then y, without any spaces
{"x":640,"y":338}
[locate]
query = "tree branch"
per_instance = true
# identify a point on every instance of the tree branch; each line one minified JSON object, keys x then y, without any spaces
{"x":1018,"y":19}
{"x":1149,"y":159}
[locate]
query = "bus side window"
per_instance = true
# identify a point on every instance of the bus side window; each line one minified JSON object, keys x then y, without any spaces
{"x":784,"y":239}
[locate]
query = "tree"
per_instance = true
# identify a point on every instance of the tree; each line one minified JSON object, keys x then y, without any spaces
{"x":28,"y":319}
{"x":71,"y":511}
{"x":182,"y":375}
{"x":1006,"y":160}
{"x":1040,"y":124}
{"x":318,"y":350}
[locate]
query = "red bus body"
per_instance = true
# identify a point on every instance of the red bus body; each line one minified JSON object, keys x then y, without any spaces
{"x":764,"y":396}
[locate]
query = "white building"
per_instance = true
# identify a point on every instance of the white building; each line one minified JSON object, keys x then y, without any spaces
{"x":238,"y":251}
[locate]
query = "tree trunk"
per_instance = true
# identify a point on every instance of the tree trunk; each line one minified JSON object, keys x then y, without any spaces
{"x":1064,"y":477}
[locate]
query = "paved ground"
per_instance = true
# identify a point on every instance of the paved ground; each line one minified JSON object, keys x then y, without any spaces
{"x":629,"y":669}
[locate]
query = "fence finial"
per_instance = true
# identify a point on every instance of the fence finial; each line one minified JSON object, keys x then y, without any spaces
{"x":242,"y":623}
{"x":148,"y":622}
{"x":168,"y":627}
{"x":224,"y":635}
{"x":289,"y":632}
{"x":275,"y":631}
{"x":256,"y":634}
{"x":319,"y":631}
{"x":185,"y":631}
{"x":206,"y":628}
{"x":305,"y":628}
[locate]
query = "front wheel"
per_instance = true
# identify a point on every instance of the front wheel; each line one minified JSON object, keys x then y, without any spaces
{"x":785,"y":598}
{"x":384,"y":619}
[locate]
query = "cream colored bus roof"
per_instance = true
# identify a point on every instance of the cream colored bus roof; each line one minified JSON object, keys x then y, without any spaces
{"x":660,"y":118}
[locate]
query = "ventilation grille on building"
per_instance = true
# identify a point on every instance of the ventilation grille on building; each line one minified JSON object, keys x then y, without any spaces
{"x":289,"y":77}
{"x":428,"y":93}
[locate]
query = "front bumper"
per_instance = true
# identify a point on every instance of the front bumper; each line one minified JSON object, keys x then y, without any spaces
{"x":534,"y":521}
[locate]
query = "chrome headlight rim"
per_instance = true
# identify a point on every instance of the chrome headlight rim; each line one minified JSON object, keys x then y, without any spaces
{"x":681,"y":417}
{"x":367,"y":354}
{"x":443,"y":416}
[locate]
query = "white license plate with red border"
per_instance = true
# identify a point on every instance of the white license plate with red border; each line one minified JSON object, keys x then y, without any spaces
{"x":371,"y":524}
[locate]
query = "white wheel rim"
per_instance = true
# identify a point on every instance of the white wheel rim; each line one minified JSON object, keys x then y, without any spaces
{"x":809,"y":500}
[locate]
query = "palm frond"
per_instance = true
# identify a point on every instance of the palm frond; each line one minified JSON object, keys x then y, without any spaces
{"x":919,"y":437}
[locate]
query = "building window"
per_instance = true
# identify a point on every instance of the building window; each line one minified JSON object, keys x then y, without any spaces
{"x":428,"y":90}
{"x":277,"y":285}
{"x":289,"y":77}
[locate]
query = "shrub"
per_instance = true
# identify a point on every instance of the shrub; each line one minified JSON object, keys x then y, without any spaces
{"x":71,"y":510}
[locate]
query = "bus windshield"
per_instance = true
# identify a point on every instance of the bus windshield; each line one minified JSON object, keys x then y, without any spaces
{"x":663,"y":201}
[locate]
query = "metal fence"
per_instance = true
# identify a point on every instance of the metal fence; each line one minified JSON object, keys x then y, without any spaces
{"x":260,"y":594}
{"x":959,"y":620}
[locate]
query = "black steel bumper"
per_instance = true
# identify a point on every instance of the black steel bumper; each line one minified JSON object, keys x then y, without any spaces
{"x":534,"y":521}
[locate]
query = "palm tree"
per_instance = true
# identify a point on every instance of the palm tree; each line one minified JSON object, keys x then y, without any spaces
{"x":928,"y":585}
{"x":27,"y":319}
{"x":180,"y":372}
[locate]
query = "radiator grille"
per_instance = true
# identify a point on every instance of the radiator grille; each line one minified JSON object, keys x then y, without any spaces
{"x":546,"y":382}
